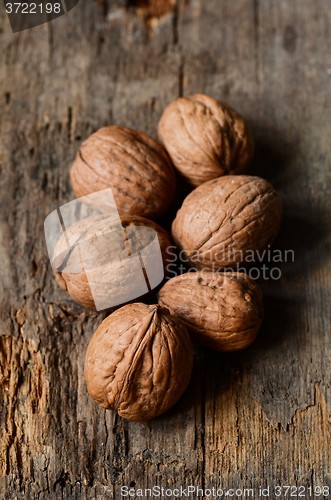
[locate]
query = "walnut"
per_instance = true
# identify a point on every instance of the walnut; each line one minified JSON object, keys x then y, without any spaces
{"x":102,"y":263}
{"x":139,"y":362}
{"x":205,"y":138}
{"x":132,"y":164}
{"x":227,"y":221}
{"x":222,"y":311}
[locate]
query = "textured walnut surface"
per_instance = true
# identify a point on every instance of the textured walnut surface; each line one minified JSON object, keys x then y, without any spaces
{"x":270,"y":424}
{"x":205,"y":138}
{"x":139,"y":362}
{"x":132,"y":164}
{"x":227,"y":220}
{"x":102,"y":245}
{"x":222,"y":311}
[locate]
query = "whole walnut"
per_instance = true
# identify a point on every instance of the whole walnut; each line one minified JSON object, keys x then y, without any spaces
{"x":101,"y":262}
{"x":222,"y":311}
{"x":135,"y":167}
{"x":227,"y":221}
{"x":139,"y":362}
{"x":205,"y":138}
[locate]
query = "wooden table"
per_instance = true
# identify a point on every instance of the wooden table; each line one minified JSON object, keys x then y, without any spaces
{"x":260,"y":417}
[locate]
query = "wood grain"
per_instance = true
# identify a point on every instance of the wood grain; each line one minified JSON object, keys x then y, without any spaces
{"x":253,"y":418}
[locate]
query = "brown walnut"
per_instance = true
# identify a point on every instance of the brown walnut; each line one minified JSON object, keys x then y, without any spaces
{"x":205,"y":138}
{"x":135,"y":167}
{"x":103,"y":247}
{"x":227,"y":221}
{"x":139,"y":362}
{"x":222,"y":311}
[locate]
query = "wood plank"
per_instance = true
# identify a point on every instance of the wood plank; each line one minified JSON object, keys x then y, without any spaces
{"x":257,"y":417}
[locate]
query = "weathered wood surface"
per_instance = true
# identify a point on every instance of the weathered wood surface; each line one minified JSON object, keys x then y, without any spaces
{"x":257,"y":417}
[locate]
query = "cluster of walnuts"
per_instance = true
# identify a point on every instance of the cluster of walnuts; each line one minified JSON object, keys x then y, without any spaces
{"x":140,"y":359}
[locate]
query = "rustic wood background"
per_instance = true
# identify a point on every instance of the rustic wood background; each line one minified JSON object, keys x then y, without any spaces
{"x":248,"y":419}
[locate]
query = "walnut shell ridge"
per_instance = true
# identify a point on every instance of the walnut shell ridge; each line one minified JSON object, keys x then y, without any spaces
{"x":139,"y":362}
{"x":222,"y":311}
{"x":136,"y":168}
{"x":102,"y":245}
{"x":205,"y":138}
{"x":226,"y":221}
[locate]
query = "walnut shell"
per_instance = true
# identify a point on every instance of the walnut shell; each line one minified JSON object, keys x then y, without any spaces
{"x":205,"y":138}
{"x":227,"y":221}
{"x":222,"y":311}
{"x":100,"y":246}
{"x":132,"y":164}
{"x":139,"y":362}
